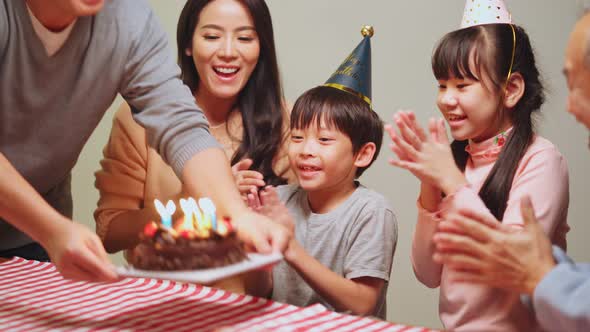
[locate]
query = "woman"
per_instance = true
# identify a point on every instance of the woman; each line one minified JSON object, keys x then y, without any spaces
{"x":227,"y":57}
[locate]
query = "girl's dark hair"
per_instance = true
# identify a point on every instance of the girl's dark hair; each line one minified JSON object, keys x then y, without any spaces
{"x":490,"y":49}
{"x":261,"y":102}
{"x":343,"y":111}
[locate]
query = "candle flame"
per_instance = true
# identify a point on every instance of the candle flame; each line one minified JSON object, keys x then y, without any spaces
{"x":187,"y":219}
{"x":187,"y":223}
{"x":203,"y":219}
{"x":222,"y":228}
{"x":198,"y":219}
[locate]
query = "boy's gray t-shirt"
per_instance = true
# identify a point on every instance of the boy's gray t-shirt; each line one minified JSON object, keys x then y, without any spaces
{"x":357,"y":239}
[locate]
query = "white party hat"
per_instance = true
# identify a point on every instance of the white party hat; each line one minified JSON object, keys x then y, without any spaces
{"x":478,"y":12}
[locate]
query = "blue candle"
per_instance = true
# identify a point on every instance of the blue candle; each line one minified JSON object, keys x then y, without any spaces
{"x":165,"y":212}
{"x":167,"y":221}
{"x":213,"y":222}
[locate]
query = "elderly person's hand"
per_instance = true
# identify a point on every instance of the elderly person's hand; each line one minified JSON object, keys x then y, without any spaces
{"x":482,"y":250}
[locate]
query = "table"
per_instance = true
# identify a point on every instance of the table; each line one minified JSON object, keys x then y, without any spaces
{"x":34,"y":297}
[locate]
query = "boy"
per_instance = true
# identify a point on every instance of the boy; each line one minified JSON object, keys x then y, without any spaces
{"x":345,"y":234}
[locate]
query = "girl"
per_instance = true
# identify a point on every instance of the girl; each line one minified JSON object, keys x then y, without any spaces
{"x":227,"y":57}
{"x":489,"y":88}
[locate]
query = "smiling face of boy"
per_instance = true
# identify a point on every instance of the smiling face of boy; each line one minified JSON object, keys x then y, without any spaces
{"x":323,"y":160}
{"x":335,"y":136}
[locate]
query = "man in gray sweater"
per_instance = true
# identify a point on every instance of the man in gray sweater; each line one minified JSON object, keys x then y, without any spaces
{"x":62,"y":64}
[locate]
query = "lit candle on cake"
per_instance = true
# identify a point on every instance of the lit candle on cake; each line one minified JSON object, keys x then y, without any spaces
{"x":224,"y":226}
{"x":208,"y":208}
{"x":196,"y":212}
{"x":202,"y":224}
{"x":187,"y":244}
{"x":186,"y":228}
{"x":188,"y":219}
{"x":165,"y":212}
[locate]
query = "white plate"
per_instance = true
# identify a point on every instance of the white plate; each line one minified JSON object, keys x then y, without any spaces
{"x":205,"y":276}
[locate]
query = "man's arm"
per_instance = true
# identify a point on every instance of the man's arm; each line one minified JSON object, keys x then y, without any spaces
{"x":159,"y":100}
{"x":562,"y":299}
{"x":208,"y":174}
{"x":76,"y":251}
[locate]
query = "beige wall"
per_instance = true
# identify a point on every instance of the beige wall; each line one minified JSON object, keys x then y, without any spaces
{"x":314,"y":36}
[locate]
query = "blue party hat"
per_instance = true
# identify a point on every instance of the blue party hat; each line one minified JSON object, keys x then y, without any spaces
{"x":354,"y":74}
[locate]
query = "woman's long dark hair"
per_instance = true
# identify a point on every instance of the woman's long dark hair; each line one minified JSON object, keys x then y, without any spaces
{"x":490,"y":47}
{"x":260,"y":102}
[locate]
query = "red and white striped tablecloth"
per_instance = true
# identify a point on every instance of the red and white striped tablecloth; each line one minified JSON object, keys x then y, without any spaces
{"x":34,"y":297}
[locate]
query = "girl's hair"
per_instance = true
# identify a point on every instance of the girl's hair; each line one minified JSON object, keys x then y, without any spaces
{"x":261,"y":102}
{"x":490,"y":47}
{"x":342,"y":111}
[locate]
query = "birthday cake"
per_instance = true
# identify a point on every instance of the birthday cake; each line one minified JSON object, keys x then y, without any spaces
{"x":199,"y":241}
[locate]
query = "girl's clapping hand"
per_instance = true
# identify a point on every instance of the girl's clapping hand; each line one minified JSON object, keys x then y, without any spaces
{"x":428,"y":157}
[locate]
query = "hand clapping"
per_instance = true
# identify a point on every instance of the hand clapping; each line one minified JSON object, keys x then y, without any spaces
{"x":246,"y":179}
{"x":428,"y":157}
{"x":267,"y":203}
{"x":482,"y":250}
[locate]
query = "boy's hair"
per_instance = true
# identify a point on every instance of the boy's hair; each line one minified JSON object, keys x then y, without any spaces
{"x":490,"y":48}
{"x":343,"y":111}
